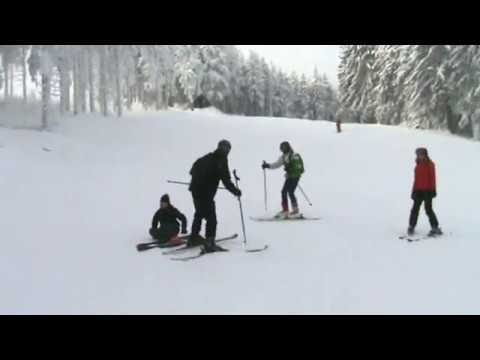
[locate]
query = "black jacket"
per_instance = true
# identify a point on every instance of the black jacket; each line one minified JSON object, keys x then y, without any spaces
{"x":207,"y":173}
{"x":168,"y":217}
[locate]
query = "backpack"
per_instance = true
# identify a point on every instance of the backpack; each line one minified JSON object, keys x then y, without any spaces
{"x":295,"y":167}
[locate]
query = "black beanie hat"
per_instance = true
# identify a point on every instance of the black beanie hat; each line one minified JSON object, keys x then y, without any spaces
{"x":224,"y":146}
{"x":165,"y":198}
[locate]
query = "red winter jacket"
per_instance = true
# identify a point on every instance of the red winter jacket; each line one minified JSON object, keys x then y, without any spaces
{"x":425,"y":176}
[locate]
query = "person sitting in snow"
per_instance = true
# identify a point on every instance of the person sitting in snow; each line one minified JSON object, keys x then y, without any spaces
{"x":167,"y":217}
{"x":424,"y":190}
{"x":293,"y":165}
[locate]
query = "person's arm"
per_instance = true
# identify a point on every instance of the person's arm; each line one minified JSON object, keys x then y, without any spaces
{"x":155,"y":220}
{"x":434,"y":180}
{"x":183,"y":220}
{"x":224,"y":172}
{"x":277,"y":164}
{"x":413,"y":186}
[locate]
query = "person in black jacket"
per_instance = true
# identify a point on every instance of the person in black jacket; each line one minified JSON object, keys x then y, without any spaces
{"x":167,"y":217}
{"x":206,"y":175}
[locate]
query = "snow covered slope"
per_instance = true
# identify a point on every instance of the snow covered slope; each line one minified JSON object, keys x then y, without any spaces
{"x":76,"y":200}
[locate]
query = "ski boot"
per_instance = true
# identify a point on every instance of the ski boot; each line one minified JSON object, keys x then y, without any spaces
{"x":195,"y":240}
{"x":282,"y":215}
{"x":210,"y":247}
{"x":435,"y":232}
{"x":295,"y":214}
{"x":410,"y":231}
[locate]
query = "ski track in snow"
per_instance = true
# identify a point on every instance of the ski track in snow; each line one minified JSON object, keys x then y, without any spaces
{"x":71,"y":217}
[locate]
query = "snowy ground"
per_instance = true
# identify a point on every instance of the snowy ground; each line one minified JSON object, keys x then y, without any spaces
{"x":77,"y":199}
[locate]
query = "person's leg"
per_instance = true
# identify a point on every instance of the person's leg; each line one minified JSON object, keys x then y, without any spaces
{"x":211,"y":216}
{"x":285,"y":196}
{"x":291,"y":187}
{"x":164,"y":233}
{"x":197,"y":218}
{"x":195,"y":238}
{"x":432,"y":218}
{"x":417,"y":203}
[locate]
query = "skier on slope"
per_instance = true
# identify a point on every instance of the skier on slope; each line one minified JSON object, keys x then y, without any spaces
{"x":294,"y":169}
{"x":206,"y":174}
{"x":167,"y":217}
{"x":424,"y":190}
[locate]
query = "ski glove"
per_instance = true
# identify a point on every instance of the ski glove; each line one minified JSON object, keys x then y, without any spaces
{"x":184,"y":231}
{"x":265,"y":166}
{"x":237,"y":193}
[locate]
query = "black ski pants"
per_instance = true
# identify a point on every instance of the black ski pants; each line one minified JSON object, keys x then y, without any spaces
{"x":289,"y":191}
{"x":420,"y":197}
{"x":204,"y":209}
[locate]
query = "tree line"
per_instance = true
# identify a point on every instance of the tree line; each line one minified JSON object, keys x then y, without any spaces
{"x":111,"y":78}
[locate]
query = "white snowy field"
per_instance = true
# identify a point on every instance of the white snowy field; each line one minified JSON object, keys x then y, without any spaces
{"x":77,"y":199}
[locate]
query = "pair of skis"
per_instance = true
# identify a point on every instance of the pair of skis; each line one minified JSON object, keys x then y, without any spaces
{"x":203,"y":252}
{"x":183,"y":248}
{"x":300,"y":217}
{"x":413,"y":238}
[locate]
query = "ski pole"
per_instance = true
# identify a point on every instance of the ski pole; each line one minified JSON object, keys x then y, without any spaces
{"x":237,"y":179}
{"x":265,"y":188}
{"x":305,"y":195}
{"x":187,"y":184}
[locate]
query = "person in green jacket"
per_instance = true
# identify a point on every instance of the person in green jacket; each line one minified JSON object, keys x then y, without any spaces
{"x":294,"y":169}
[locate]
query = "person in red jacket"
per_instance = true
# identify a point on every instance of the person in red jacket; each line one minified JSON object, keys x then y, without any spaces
{"x":424,"y":190}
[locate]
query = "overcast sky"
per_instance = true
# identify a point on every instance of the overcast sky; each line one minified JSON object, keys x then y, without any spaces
{"x":301,"y":58}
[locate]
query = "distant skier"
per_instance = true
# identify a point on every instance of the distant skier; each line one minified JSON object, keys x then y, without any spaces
{"x":294,"y":169}
{"x":424,"y":190}
{"x":167,"y":217}
{"x":206,"y":174}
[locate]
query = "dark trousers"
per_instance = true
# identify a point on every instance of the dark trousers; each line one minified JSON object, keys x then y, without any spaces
{"x":420,"y":197}
{"x":165,"y":232}
{"x":289,"y":191}
{"x":204,"y":209}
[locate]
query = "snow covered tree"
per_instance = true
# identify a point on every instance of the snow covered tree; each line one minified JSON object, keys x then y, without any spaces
{"x":356,"y":80}
{"x":428,"y":90}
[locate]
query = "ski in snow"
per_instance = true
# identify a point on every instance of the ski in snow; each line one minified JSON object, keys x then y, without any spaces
{"x":193,"y":257}
{"x":414,"y":238}
{"x":155,"y":244}
{"x":288,"y":219}
{"x":256,"y":250}
{"x":186,"y":247}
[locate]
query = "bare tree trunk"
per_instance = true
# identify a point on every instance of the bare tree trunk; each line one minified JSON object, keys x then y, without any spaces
{"x":103,"y":83}
{"x":6,"y":76}
{"x":24,"y":73}
{"x":158,"y":93}
{"x":64,"y":85}
{"x":82,"y":82}
{"x":76,"y":94}
{"x":45,"y":100}
{"x":68,"y":86}
{"x":91,"y":88}
{"x":61,"y":70}
{"x":118,"y":86}
{"x":12,"y":81}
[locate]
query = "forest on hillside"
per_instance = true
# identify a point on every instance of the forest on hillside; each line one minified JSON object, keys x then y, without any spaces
{"x":109,"y":79}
